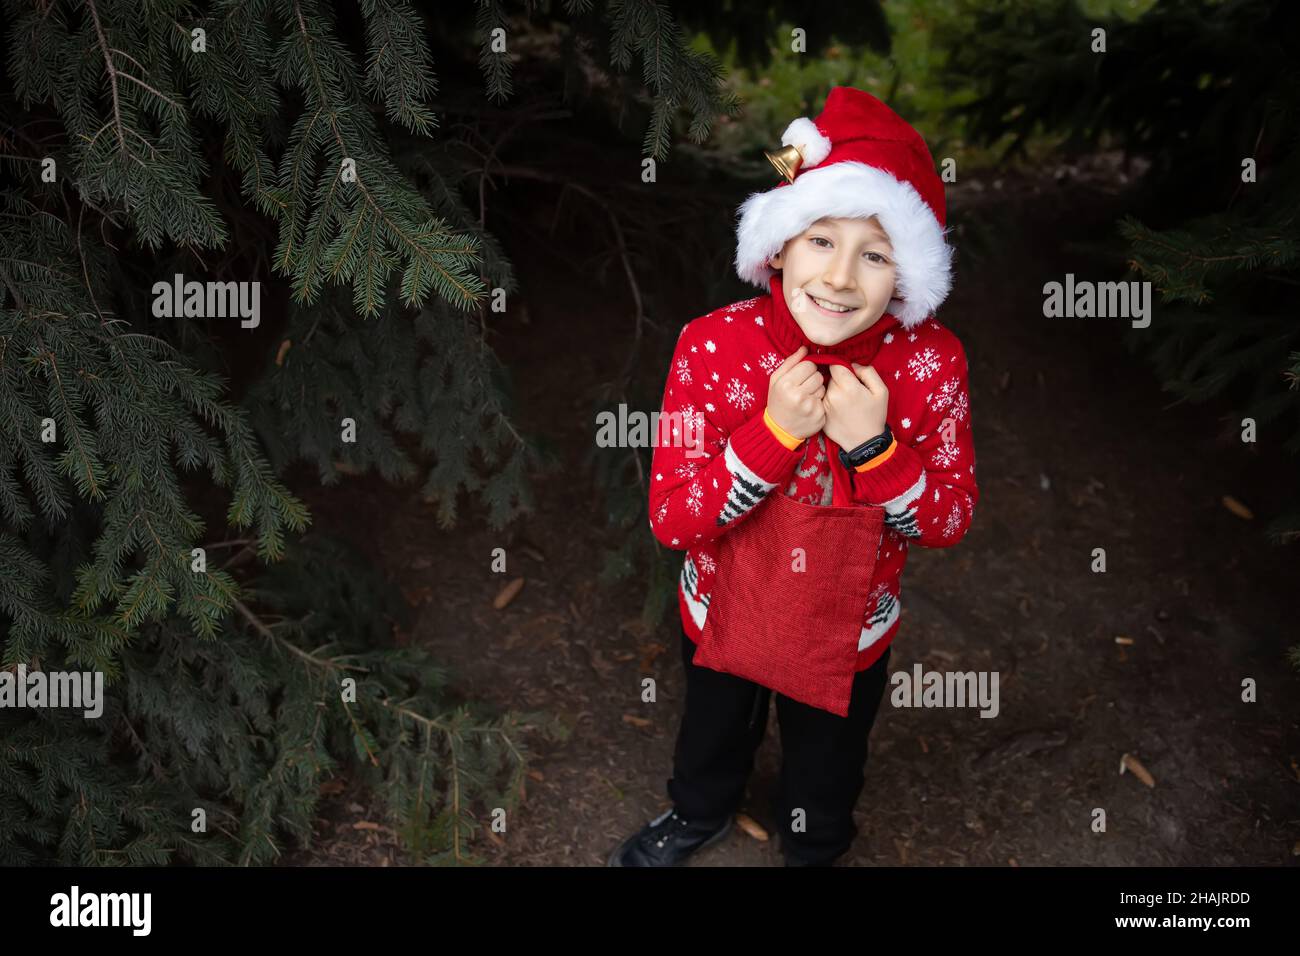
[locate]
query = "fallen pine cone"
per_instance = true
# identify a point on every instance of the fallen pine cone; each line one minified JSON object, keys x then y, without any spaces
{"x":752,"y":827}
{"x":1129,"y":762}
{"x":1237,"y":508}
{"x":508,"y":593}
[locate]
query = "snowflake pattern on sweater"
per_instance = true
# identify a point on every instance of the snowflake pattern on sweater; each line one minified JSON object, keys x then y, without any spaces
{"x":719,"y":374}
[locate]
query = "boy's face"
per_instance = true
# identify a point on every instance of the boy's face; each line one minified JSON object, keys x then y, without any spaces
{"x":847,"y":262}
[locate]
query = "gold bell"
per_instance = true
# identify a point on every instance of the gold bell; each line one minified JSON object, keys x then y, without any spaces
{"x":787,"y":161}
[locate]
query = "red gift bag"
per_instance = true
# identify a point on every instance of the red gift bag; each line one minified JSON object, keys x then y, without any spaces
{"x":793,"y":631}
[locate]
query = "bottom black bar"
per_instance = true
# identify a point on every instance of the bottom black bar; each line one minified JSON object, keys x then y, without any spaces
{"x":334,"y":905}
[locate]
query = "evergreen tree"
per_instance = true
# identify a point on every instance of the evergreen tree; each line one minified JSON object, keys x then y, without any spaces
{"x":240,"y":141}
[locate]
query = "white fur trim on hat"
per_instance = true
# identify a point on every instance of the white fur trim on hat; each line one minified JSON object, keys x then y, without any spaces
{"x":813,"y":146}
{"x":848,"y":189}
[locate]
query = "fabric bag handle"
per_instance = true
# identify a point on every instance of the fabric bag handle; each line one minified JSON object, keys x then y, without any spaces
{"x":841,"y":494}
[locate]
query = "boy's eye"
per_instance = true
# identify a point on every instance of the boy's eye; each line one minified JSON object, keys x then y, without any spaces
{"x":872,"y":256}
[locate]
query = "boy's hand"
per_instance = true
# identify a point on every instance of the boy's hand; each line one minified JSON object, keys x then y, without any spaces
{"x":856,"y":405}
{"x":795,"y":393}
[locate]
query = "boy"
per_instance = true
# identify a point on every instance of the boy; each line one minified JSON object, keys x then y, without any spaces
{"x":857,"y":234}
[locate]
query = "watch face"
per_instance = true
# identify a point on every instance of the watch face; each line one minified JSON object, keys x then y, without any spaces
{"x":869,"y":449}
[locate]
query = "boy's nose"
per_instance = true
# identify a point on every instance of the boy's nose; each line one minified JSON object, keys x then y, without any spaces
{"x":840,"y":274}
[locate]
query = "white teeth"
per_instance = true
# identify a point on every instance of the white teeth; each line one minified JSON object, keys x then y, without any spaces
{"x":830,"y":306}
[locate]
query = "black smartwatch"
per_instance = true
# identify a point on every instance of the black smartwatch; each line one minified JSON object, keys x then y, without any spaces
{"x":868,"y":450}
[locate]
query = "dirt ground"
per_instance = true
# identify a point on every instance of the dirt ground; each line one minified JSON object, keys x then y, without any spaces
{"x":1077,"y":448}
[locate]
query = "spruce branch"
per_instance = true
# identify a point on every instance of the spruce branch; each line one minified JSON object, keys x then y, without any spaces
{"x":112,"y":73}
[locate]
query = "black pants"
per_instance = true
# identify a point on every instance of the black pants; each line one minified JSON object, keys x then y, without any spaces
{"x":822,"y":756}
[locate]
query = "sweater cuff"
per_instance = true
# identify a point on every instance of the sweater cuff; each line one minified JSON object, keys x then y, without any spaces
{"x":760,"y":451}
{"x":783,"y":436}
{"x":891,"y":478}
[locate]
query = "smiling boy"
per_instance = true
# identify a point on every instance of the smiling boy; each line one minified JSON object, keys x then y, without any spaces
{"x":857,"y":234}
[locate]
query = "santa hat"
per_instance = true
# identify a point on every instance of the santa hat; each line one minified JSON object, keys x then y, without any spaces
{"x":857,"y":159}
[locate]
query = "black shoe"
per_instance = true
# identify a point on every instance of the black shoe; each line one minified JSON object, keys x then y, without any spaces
{"x":667,"y":840}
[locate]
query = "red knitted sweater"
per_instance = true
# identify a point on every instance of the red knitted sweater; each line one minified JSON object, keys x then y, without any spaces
{"x":718,"y":381}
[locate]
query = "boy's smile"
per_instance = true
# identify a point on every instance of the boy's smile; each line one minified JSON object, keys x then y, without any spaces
{"x":837,"y":277}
